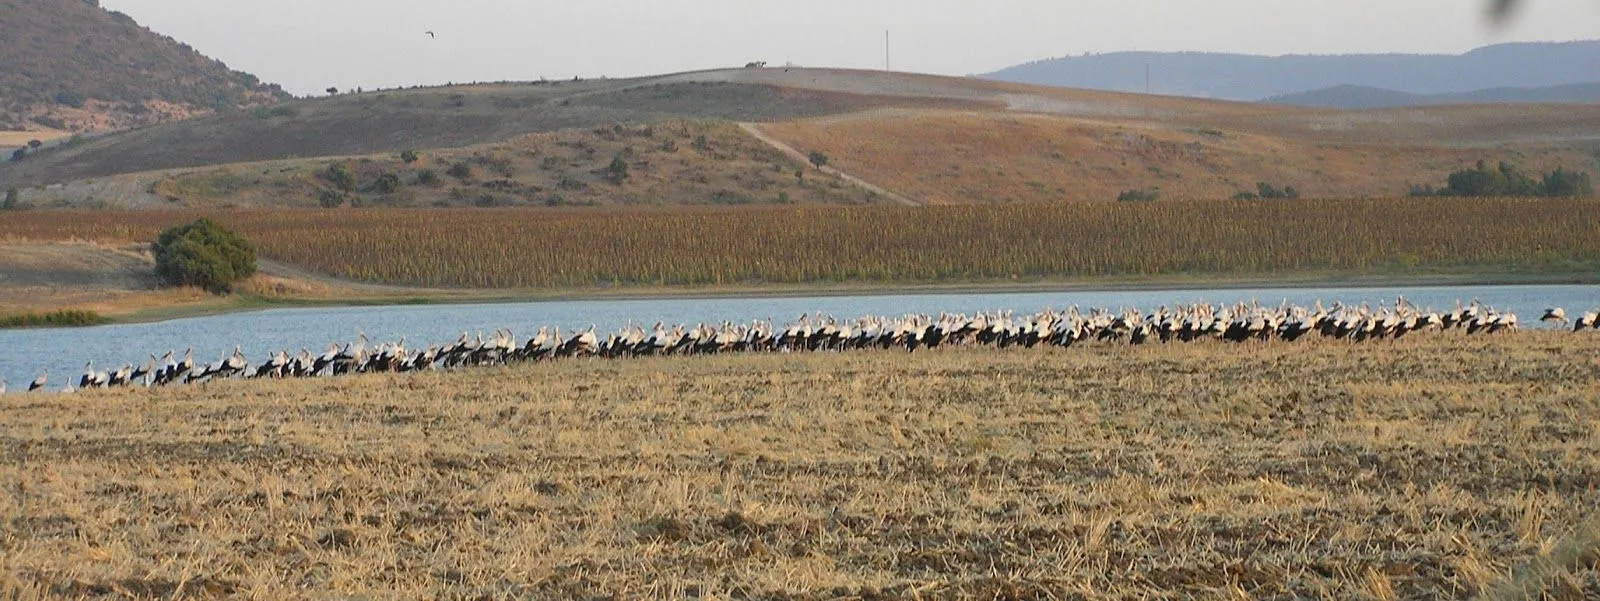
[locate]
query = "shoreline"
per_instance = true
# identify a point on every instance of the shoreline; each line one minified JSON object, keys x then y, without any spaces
{"x":251,"y":303}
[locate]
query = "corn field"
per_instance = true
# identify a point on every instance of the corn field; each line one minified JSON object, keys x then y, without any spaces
{"x":522,"y":248}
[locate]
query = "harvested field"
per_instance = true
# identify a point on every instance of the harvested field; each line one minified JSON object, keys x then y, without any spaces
{"x":1421,"y":469}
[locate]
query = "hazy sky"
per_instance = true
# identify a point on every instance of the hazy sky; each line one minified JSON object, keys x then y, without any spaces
{"x":308,"y":45}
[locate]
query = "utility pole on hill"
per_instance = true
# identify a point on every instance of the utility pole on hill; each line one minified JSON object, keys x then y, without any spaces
{"x":886,"y":50}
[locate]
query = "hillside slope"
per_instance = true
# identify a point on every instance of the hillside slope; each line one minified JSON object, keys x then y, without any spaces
{"x":70,"y":65}
{"x":676,"y":163}
{"x":928,"y":138}
{"x":950,"y":157}
{"x":1363,"y":97}
{"x":397,"y":120}
{"x":1250,"y":77}
{"x":448,"y":117}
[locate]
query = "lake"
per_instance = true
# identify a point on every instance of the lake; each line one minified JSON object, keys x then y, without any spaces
{"x":24,"y":353}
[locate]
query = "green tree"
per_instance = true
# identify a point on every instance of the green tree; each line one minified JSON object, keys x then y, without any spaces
{"x":331,"y":199}
{"x":12,"y":198}
{"x":340,"y":176}
{"x":1506,"y":179}
{"x":1566,"y":184}
{"x":204,"y":254}
{"x":460,"y":170}
{"x":817,"y":158}
{"x":409,"y":156}
{"x":387,"y":183}
{"x":617,"y":171}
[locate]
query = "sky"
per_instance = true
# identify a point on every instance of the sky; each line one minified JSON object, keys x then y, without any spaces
{"x":310,"y":45}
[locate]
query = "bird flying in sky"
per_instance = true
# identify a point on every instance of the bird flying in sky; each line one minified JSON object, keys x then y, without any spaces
{"x":430,"y":35}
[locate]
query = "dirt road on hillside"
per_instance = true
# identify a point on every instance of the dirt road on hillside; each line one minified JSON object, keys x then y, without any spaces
{"x":795,"y":154}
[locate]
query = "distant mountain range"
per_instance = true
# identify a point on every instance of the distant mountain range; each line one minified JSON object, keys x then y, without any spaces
{"x":1556,"y":70}
{"x":1363,"y":97}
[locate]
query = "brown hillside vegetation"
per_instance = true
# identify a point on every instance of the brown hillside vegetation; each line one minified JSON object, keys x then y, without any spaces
{"x":670,"y":163}
{"x":391,"y":121}
{"x":430,"y":119}
{"x":945,"y":157}
{"x":70,"y":65}
{"x":582,"y":248}
{"x":1430,"y":468}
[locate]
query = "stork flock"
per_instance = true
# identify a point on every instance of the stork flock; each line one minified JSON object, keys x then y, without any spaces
{"x":1238,"y":323}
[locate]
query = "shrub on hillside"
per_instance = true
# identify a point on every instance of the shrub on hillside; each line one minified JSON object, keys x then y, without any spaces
{"x":1268,"y":191}
{"x":1139,"y":195}
{"x":1506,"y":180}
{"x":1567,"y":184}
{"x":331,"y":199}
{"x":340,"y":176}
{"x":409,"y":156}
{"x":72,"y":99}
{"x":204,"y":254}
{"x":817,"y":158}
{"x":617,"y":171}
{"x":387,"y":183}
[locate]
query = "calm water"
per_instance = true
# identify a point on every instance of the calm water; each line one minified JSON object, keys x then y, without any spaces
{"x":24,"y":353}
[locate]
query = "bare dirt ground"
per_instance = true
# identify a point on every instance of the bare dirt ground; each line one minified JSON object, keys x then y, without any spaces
{"x":1435,"y":467}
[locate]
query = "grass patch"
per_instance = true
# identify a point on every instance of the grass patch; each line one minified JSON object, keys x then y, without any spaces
{"x":53,"y":319}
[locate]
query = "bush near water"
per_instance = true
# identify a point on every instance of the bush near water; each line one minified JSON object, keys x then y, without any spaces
{"x":203,"y":254}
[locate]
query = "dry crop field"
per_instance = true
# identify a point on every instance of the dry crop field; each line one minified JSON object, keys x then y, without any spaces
{"x":510,"y":248}
{"x":1437,"y":467}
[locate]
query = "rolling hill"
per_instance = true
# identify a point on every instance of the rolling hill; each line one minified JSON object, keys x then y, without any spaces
{"x":396,"y":120}
{"x":1249,"y":77}
{"x":71,"y":66}
{"x":1363,"y":97}
{"x":928,"y":138}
